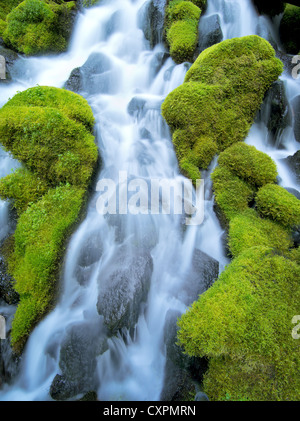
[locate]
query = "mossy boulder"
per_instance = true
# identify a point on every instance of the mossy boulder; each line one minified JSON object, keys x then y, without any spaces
{"x":266,"y":7}
{"x":50,"y":131}
{"x":289,"y":29}
{"x":243,"y":323}
{"x":248,"y":229}
{"x":277,"y":203}
{"x":39,"y":27}
{"x":253,"y":166}
{"x":181,"y":28}
{"x":221,"y":94}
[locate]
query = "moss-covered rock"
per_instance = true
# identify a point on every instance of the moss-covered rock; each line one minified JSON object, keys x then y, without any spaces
{"x":266,"y":7}
{"x":251,"y":165}
{"x":289,"y":29}
{"x":221,"y":94}
{"x":181,"y":28}
{"x":277,"y":203}
{"x":39,"y":27}
{"x":50,"y":131}
{"x":248,"y":229}
{"x":243,"y":323}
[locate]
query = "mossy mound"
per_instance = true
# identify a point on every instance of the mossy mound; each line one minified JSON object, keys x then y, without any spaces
{"x":289,"y":29}
{"x":243,"y":323}
{"x":39,"y":27}
{"x":221,"y":94}
{"x":52,"y":137}
{"x":251,"y":165}
{"x":6,"y":6}
{"x":276,"y":203}
{"x":181,"y":29}
{"x":248,"y":229}
{"x":232,"y":195}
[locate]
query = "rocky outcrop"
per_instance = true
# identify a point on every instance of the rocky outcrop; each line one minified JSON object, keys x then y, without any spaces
{"x":151,"y":20}
{"x":209,"y":32}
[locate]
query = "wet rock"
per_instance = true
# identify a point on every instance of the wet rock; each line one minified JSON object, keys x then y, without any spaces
{"x":7,"y":292}
{"x":138,"y":106}
{"x":200,"y":396}
{"x":10,"y":58}
{"x":89,"y":255}
{"x":151,"y":20}
{"x":201,"y":275}
{"x":295,"y":104}
{"x":275,"y":111}
{"x":123,"y":287}
{"x":82,"y":344}
{"x":74,"y":83}
{"x":294,"y":192}
{"x":210,"y":32}
{"x":182,"y":373}
{"x":293,"y":162}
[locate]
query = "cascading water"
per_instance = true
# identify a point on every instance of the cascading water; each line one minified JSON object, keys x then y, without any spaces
{"x":126,"y":98}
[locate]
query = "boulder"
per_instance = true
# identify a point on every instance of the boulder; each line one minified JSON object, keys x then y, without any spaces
{"x":295,"y":105}
{"x":293,"y":162}
{"x":209,"y":32}
{"x":151,"y":20}
{"x":74,"y":83}
{"x":275,"y":111}
{"x":123,"y":286}
{"x":83,"y":342}
{"x":7,"y":292}
{"x":10,"y":58}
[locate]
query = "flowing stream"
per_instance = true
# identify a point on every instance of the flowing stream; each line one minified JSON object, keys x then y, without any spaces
{"x":133,"y":139}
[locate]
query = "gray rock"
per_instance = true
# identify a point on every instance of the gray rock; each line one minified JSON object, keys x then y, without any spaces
{"x":82,"y":344}
{"x":295,"y":104}
{"x":123,"y":288}
{"x":275,"y":111}
{"x":209,"y":32}
{"x":200,"y":396}
{"x":10,"y":58}
{"x":7,"y":292}
{"x":293,"y":162}
{"x":151,"y":20}
{"x":74,"y":83}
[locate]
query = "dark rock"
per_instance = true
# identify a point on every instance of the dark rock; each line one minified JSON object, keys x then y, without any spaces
{"x":182,"y":373}
{"x":293,"y":162}
{"x":270,"y":8}
{"x":295,"y":105}
{"x":151,"y":20}
{"x":10,"y":58}
{"x":201,"y":275}
{"x":296,"y":235}
{"x":275,"y":111}
{"x":287,"y":61}
{"x":82,"y":344}
{"x":138,"y":106}
{"x":123,"y":288}
{"x":89,"y":255}
{"x":74,"y":83}
{"x":7,"y":292}
{"x":294,"y":192}
{"x":210,"y":32}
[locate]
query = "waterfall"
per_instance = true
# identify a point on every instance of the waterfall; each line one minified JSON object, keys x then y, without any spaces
{"x":132,"y":139}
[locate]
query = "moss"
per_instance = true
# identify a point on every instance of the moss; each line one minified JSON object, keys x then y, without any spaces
{"x":276,"y":203}
{"x":39,"y":237}
{"x":23,"y":187}
{"x":6,"y":6}
{"x":222,"y":91}
{"x":253,"y":166}
{"x":248,"y":229}
{"x":232,"y":195}
{"x":50,"y":131}
{"x":181,"y":26}
{"x":245,"y":317}
{"x":289,"y":29}
{"x":39,"y":27}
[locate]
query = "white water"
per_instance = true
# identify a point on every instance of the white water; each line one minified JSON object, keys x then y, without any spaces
{"x":131,"y":369}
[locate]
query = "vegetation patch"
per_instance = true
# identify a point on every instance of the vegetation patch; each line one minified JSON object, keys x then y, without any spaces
{"x":289,"y":29}
{"x":221,"y":94}
{"x":243,"y":323}
{"x":50,"y":131}
{"x":38,"y":27}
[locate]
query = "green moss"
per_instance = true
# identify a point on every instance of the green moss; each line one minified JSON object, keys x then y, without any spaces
{"x":39,"y":238}
{"x":181,"y":26}
{"x":39,"y":27}
{"x":245,"y":317}
{"x":23,"y":187}
{"x":248,"y":229}
{"x":253,"y":166}
{"x":232,"y":195}
{"x":222,"y":91}
{"x":6,"y":6}
{"x":289,"y":29}
{"x":276,"y":203}
{"x":49,"y":131}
